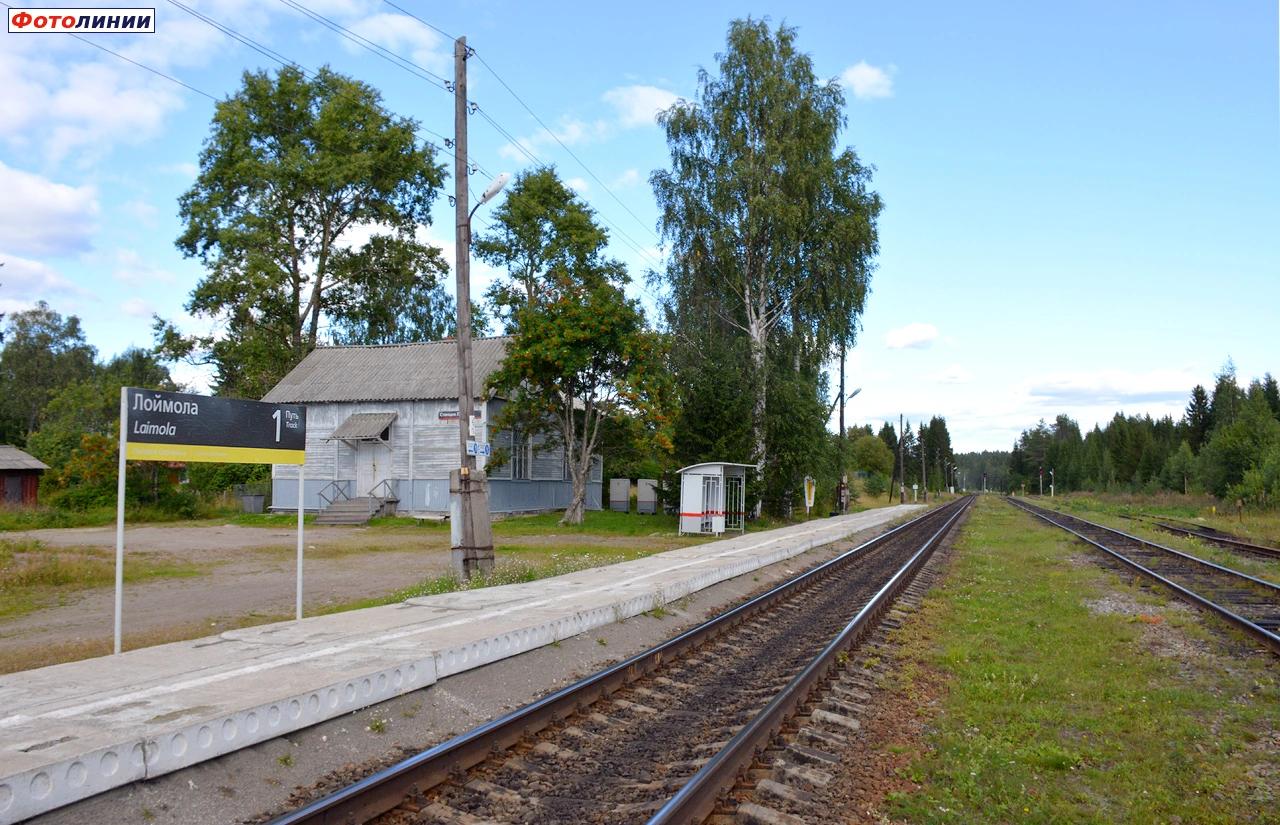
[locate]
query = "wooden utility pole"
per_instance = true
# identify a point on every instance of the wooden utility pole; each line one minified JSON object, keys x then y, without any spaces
{"x":924,"y":459}
{"x":471,"y":530}
{"x":902,"y":468}
{"x":843,"y":504}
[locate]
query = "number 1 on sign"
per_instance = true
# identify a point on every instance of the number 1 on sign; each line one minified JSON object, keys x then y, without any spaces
{"x":276,"y":416}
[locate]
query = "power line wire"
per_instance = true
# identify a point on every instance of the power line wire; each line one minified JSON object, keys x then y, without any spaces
{"x":142,"y":66}
{"x":557,"y":139}
{"x":537,"y":161}
{"x":157,"y":72}
{"x":377,"y":49}
{"x":265,"y":51}
{"x":287,"y":62}
{"x":408,"y":13}
{"x":637,"y":247}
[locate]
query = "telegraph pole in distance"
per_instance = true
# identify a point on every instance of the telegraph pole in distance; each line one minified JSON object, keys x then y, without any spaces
{"x":924,"y":459}
{"x":902,"y":468}
{"x":843,"y":504}
{"x":472,"y":533}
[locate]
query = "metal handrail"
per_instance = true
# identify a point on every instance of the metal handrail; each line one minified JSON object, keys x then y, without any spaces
{"x":340,"y":491}
{"x":376,"y":501}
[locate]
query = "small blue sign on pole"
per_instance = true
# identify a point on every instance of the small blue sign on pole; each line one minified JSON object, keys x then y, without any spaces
{"x":479,"y":448}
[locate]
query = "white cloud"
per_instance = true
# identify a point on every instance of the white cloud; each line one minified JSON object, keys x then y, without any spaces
{"x":912,"y":336}
{"x":400,"y":33}
{"x":578,"y":185}
{"x":24,"y":281}
{"x":41,"y":217}
{"x":137,"y":308}
{"x":628,"y":178}
{"x":131,"y":269}
{"x":639,"y":105}
{"x":868,"y":82}
{"x":1113,"y":386}
{"x":571,"y":131}
{"x":61,"y":107}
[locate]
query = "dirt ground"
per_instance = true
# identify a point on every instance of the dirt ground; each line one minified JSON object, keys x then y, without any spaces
{"x":248,"y":579}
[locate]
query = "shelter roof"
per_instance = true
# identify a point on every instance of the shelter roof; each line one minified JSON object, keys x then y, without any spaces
{"x":389,"y":372}
{"x":363,"y":426}
{"x":710,"y":464}
{"x":11,"y":458}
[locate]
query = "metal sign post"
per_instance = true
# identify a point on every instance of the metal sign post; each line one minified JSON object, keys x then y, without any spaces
{"x":810,"y":488}
{"x":172,"y":426}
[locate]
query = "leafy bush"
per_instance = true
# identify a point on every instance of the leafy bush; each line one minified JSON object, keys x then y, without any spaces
{"x":875,"y":485}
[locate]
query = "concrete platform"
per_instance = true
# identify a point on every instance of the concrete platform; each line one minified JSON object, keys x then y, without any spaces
{"x":70,"y":731}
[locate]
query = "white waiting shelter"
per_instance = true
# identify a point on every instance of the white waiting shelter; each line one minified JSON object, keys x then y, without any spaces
{"x":713,"y":497}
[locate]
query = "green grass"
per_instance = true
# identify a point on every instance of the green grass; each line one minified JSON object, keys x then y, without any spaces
{"x":41,"y":518}
{"x":601,"y":522}
{"x":266,"y":519}
{"x":1055,"y":713}
{"x":33,"y":575}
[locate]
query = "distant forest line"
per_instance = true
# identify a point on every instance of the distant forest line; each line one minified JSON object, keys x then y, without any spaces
{"x":1226,"y":444}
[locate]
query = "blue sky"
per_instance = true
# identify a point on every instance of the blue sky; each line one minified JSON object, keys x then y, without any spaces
{"x":1082,"y":199}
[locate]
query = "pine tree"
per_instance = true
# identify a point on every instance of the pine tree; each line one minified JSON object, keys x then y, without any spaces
{"x":1227,"y":396}
{"x":1199,"y":418}
{"x":1272,"y":393}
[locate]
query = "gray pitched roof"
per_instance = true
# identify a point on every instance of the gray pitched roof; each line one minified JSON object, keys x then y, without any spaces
{"x":392,"y":372}
{"x":11,"y":458}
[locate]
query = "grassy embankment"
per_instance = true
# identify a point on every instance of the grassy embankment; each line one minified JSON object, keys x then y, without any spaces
{"x":1070,"y":694}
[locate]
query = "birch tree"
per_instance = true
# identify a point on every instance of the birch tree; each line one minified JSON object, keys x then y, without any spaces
{"x":771,"y":226}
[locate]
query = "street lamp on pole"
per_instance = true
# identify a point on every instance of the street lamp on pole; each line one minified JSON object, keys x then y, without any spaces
{"x":470,"y":526}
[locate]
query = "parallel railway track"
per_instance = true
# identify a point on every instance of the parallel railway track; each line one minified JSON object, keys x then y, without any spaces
{"x":1219,"y":538}
{"x":663,"y":736}
{"x":1249,"y":603}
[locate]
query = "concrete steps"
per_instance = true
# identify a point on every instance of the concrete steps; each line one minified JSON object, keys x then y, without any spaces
{"x":349,"y":511}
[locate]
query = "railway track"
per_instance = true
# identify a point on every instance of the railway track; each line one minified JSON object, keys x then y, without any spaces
{"x":1249,"y":603}
{"x":1219,"y":538}
{"x":663,"y":736}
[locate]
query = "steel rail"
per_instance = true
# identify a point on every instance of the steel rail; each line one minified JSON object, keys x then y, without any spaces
{"x":697,"y":799}
{"x":1267,"y":637}
{"x":1221,"y":539}
{"x":381,"y":791}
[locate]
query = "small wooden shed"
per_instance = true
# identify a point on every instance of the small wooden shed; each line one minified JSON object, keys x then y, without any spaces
{"x":713,"y":497}
{"x":19,"y":477}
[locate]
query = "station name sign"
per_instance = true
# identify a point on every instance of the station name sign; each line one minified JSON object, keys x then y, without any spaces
{"x":174,"y":426}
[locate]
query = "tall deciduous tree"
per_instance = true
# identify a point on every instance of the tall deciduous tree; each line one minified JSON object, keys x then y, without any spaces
{"x":579,"y":350}
{"x":771,"y":226}
{"x":43,"y":353}
{"x":541,"y":224}
{"x":292,"y":169}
